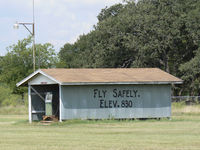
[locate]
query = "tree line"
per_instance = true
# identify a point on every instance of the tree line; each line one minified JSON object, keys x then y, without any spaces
{"x":150,"y":33}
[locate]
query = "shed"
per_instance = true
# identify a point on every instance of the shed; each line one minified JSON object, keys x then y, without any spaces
{"x":100,"y":93}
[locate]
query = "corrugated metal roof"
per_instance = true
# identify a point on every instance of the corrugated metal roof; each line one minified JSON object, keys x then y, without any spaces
{"x":117,"y":75}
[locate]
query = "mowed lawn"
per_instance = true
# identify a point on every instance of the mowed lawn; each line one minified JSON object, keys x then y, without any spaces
{"x":182,"y":132}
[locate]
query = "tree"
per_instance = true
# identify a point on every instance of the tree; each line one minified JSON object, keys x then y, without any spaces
{"x":17,"y":63}
{"x":110,"y":12}
{"x":151,"y":33}
{"x":191,"y":75}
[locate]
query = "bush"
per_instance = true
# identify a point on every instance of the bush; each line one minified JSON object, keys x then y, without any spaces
{"x":9,"y":99}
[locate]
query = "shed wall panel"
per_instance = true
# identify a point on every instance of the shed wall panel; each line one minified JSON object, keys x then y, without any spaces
{"x":115,"y":101}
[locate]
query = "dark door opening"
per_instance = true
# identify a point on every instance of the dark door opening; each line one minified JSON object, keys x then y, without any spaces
{"x":38,"y":93}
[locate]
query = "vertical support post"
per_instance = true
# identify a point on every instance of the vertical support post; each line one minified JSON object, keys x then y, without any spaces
{"x":29,"y":104}
{"x":60,"y":103}
{"x":170,"y":86}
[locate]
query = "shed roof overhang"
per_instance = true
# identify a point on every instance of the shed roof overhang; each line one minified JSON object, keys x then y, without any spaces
{"x":56,"y":75}
{"x":25,"y":81}
{"x":118,"y":83}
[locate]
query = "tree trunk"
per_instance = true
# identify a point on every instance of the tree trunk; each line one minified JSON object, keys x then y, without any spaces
{"x":166,"y":64}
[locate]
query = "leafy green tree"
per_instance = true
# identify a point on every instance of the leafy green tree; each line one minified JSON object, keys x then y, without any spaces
{"x":110,"y":12}
{"x":17,"y":63}
{"x":151,"y":33}
{"x":191,"y":75}
{"x":7,"y":98}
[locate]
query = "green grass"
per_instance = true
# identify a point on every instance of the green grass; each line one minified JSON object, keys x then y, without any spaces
{"x":12,"y":110}
{"x":182,"y":132}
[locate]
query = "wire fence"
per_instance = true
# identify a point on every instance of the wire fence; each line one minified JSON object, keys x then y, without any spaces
{"x":189,"y":100}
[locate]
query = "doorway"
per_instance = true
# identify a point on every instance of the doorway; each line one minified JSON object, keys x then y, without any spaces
{"x":38,"y":93}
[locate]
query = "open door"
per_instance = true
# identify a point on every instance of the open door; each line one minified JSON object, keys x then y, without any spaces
{"x":39,"y":108}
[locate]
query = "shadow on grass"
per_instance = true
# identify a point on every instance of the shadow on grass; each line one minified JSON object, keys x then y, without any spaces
{"x":91,"y":121}
{"x":175,"y":118}
{"x":104,"y":121}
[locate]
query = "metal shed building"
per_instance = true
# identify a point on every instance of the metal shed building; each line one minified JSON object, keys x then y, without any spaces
{"x":100,"y":93}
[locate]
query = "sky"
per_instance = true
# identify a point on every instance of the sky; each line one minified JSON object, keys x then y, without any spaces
{"x":56,"y":21}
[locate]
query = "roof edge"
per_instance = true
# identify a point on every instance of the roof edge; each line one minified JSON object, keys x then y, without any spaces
{"x":25,"y":80}
{"x":121,"y":83}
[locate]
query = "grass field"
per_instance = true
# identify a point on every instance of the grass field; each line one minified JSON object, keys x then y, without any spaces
{"x":182,"y":132}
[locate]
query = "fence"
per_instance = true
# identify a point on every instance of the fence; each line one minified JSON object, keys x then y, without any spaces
{"x":189,"y":100}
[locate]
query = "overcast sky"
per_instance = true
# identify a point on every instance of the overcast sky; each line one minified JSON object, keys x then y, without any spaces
{"x":57,"y":21}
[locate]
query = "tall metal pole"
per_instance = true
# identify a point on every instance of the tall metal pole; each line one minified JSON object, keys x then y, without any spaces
{"x":33,"y":36}
{"x":25,"y":24}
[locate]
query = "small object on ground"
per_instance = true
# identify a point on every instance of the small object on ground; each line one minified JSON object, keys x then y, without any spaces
{"x":49,"y":119}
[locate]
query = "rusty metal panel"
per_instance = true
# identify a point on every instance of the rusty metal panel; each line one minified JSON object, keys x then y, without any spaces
{"x":115,"y":101}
